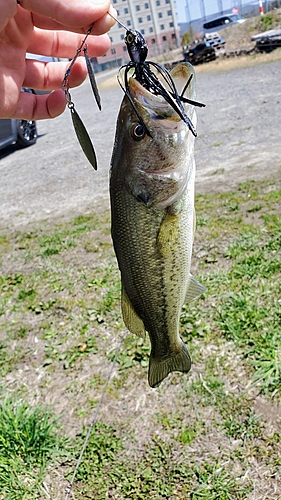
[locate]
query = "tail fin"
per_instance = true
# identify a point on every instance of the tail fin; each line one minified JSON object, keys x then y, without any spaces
{"x":158,"y":370}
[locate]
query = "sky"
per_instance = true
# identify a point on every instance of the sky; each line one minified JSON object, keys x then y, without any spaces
{"x":211,"y":7}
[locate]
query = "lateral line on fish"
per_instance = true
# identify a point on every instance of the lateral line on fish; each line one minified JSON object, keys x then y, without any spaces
{"x":93,"y":421}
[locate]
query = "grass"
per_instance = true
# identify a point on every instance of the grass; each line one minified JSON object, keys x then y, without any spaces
{"x":205,"y":435}
{"x":29,"y":439}
{"x":157,"y":475}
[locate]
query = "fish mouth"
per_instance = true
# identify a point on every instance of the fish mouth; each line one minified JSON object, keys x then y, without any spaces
{"x":155,"y":105}
{"x":161,"y":178}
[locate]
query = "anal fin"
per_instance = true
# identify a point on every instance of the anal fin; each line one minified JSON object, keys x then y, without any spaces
{"x":195,"y":289}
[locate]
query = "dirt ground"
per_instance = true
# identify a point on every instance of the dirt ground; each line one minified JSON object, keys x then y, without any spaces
{"x":238,"y":139}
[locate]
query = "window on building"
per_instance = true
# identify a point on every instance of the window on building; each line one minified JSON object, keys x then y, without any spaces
{"x":126,"y":10}
{"x":164,"y":38}
{"x":117,"y":12}
{"x":160,"y":14}
{"x":162,"y":26}
{"x":128,"y":22}
{"x":173,"y":35}
{"x":171,"y":25}
{"x":157,"y":3}
{"x":143,"y":32}
{"x":137,"y":7}
{"x":146,"y":6}
{"x":153,"y":40}
{"x":113,"y":51}
{"x":119,"y":26}
{"x":150,"y":30}
{"x":124,"y":48}
{"x":140,"y":20}
{"x":114,"y":1}
{"x":148,"y":18}
{"x":167,"y":1}
{"x":169,"y":12}
{"x":111,"y":39}
{"x":122,"y":37}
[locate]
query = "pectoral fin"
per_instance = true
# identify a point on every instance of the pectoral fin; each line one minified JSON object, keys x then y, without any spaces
{"x":130,"y":317}
{"x":195,"y":289}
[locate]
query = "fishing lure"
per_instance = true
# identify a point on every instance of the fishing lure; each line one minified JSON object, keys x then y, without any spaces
{"x":138,"y":50}
{"x":79,"y":127}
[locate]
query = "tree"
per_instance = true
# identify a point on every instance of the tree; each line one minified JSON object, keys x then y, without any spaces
{"x":185,"y":39}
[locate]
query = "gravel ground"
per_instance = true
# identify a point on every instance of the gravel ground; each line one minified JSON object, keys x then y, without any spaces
{"x":238,"y":139}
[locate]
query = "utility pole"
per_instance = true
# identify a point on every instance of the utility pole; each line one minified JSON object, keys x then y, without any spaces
{"x":202,"y":7}
{"x":187,"y":12}
{"x":188,"y":18}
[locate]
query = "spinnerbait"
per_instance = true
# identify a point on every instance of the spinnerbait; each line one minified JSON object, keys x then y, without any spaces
{"x":81,"y":132}
{"x":137,"y":49}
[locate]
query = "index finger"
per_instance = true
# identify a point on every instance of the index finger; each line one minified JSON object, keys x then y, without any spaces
{"x":65,"y":44}
{"x":73,"y":14}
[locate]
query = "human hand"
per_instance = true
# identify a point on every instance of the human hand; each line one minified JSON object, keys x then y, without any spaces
{"x":52,"y":28}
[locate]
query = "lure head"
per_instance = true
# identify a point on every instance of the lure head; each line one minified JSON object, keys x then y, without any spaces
{"x":136,"y":45}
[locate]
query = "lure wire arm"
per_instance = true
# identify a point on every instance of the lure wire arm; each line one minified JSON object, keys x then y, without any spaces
{"x":65,"y":85}
{"x":127,"y":93}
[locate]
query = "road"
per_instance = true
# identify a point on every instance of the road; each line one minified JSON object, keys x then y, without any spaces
{"x":238,"y":138}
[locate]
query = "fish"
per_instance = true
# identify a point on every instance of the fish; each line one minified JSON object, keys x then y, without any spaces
{"x":153,"y":218}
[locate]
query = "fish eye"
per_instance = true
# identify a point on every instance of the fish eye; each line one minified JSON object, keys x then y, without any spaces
{"x":137,"y":131}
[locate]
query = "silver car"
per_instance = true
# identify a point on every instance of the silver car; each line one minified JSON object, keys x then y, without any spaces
{"x":23,"y":133}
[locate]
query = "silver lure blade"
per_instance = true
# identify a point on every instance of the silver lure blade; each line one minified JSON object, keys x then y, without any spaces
{"x":92,"y":79}
{"x":83,"y":138}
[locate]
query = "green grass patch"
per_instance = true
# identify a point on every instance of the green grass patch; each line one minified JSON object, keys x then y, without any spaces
{"x":105,"y":471}
{"x":199,"y":435}
{"x":29,"y":442}
{"x":246,"y":296}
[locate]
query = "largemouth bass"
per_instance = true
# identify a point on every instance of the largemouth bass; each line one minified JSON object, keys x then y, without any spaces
{"x":152,"y":209}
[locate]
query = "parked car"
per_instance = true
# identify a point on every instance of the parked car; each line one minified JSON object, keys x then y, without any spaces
{"x":199,"y":52}
{"x":223,"y":22}
{"x":23,"y":133}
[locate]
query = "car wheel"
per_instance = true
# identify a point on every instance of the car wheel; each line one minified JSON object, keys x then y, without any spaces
{"x":27,"y":133}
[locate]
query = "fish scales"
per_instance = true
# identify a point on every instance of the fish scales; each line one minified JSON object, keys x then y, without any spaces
{"x":152,"y":209}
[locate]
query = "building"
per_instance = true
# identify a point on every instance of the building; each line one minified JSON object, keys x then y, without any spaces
{"x":155,"y":19}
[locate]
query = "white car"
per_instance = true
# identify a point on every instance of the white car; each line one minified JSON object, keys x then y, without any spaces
{"x":223,"y":22}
